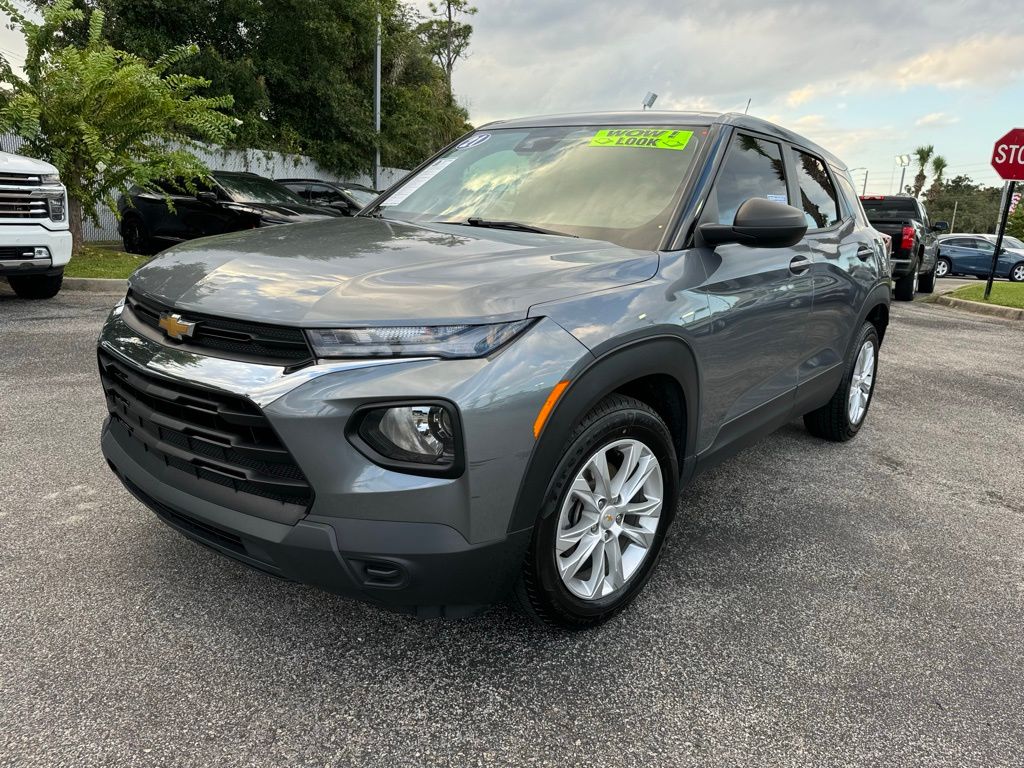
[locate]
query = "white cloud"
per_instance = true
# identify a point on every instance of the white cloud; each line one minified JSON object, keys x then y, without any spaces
{"x":936,"y":120}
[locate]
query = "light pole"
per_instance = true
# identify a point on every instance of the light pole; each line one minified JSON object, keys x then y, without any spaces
{"x":376,"y":109}
{"x":902,"y":161}
{"x":864,"y":188}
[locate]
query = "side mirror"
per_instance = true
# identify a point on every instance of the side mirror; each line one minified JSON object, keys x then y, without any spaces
{"x":940,"y":226}
{"x":206,"y":197}
{"x":759,"y":223}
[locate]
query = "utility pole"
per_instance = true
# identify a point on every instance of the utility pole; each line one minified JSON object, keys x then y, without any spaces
{"x":864,"y":189}
{"x":376,"y":109}
{"x":952,"y":224}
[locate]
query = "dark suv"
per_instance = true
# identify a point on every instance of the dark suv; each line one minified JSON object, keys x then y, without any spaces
{"x":226,"y":202}
{"x":498,"y":376}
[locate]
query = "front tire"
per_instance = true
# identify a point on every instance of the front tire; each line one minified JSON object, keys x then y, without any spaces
{"x":906,"y":286}
{"x":36,"y":286}
{"x":136,"y":237}
{"x":943,"y":267}
{"x":600,"y":531}
{"x":841,"y":418}
{"x":1017,"y":273}
{"x":927,"y":283}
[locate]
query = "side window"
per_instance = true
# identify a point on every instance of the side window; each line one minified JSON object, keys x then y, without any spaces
{"x":753,"y":168}
{"x":984,"y":246}
{"x":852,"y":200}
{"x":321,"y":193}
{"x":817,"y":195}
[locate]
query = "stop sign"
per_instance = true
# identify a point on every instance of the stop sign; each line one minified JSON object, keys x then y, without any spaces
{"x":1008,"y":156}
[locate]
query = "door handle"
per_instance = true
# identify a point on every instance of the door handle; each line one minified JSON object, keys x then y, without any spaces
{"x":864,"y":253}
{"x":800,"y":264}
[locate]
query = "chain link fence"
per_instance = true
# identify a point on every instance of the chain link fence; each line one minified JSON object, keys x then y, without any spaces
{"x":270,"y":164}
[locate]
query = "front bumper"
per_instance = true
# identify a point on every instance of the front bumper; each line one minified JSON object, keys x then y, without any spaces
{"x":57,"y":242}
{"x":426,"y":545}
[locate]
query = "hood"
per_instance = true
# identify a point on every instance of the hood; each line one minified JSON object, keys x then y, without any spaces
{"x":20,"y":164}
{"x":352,"y":271}
{"x":290,"y":212}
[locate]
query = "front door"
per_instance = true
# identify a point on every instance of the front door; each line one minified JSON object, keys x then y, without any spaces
{"x":759,"y":300}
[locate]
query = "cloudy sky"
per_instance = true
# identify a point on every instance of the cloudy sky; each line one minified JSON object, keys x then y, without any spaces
{"x":867,"y":79}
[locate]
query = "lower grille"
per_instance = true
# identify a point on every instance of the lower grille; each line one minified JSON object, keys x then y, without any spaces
{"x":233,"y":339}
{"x":17,"y":252}
{"x":213,"y":437}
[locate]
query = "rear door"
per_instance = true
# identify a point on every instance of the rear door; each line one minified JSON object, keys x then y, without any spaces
{"x":760,"y":299}
{"x":847,"y":264}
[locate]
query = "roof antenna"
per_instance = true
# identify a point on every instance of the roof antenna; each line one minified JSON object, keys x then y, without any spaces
{"x":649,"y":100}
{"x":746,"y":107}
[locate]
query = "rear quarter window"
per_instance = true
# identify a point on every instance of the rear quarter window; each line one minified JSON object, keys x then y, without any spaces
{"x":818,"y":196}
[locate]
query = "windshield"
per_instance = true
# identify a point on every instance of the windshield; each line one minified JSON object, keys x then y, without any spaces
{"x":362,"y":196}
{"x":618,"y":184}
{"x":1012,"y":242}
{"x":255,"y":189}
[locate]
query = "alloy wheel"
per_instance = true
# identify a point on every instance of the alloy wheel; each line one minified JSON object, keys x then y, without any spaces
{"x":609,"y":518}
{"x":941,"y":268}
{"x":1018,"y":274}
{"x":861,"y":382}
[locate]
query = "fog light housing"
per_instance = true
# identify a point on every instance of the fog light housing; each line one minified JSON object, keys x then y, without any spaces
{"x":40,"y":252}
{"x":421,"y":438}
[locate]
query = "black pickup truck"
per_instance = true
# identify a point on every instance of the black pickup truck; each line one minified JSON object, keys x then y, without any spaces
{"x":914,"y":241}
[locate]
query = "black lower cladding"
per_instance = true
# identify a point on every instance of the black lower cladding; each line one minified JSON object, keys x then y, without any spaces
{"x":217,"y":446}
{"x":222,"y":337}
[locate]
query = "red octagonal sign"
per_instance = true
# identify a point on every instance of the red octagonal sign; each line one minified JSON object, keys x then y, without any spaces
{"x":1008,"y":156}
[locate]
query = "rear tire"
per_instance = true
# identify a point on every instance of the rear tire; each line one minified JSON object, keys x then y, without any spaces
{"x":837,"y":420}
{"x":1017,"y":273}
{"x":36,"y":286}
{"x":906,"y":286}
{"x":581,"y":514}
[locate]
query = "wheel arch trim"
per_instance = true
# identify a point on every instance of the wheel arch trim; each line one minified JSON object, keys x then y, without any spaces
{"x":661,"y":353}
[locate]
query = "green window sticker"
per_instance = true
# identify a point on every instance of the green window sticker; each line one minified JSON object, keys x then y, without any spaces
{"x":648,"y":138}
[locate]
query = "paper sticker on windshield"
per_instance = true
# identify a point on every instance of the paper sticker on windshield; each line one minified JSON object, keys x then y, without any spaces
{"x":777,"y":198}
{"x":418,"y":181}
{"x":473,"y":141}
{"x":650,"y":138}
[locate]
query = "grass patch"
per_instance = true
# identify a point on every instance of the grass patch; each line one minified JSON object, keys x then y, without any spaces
{"x":102,"y":261}
{"x":1003,"y":294}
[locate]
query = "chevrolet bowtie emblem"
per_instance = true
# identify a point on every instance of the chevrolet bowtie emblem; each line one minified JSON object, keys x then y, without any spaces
{"x":175,"y":327}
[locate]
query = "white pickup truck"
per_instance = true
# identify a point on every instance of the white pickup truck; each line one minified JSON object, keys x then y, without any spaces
{"x":35,"y":241}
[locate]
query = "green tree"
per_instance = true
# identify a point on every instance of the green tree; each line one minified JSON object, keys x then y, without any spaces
{"x":923,"y":155}
{"x":939,"y":165}
{"x":105,"y":118}
{"x":446,"y":37}
{"x":976,"y":206}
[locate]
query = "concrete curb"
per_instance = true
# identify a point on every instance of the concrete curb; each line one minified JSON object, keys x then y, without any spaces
{"x":993,"y":310}
{"x":94,"y":285}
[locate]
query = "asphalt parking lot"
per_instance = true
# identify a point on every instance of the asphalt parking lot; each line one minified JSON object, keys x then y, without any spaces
{"x":817,"y":604}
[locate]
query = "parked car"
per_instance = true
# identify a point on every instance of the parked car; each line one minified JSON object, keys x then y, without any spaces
{"x":35,"y":240}
{"x":498,"y":376}
{"x":914,"y":241}
{"x":964,"y":254}
{"x":348,"y":199}
{"x":227,"y":202}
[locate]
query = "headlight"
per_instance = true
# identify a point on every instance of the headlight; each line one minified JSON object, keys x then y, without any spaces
{"x":410,"y":434}
{"x":50,"y":178}
{"x":415,"y":341}
{"x":56,"y":207}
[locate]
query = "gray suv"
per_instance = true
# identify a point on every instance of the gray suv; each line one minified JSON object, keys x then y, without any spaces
{"x":496,"y":378}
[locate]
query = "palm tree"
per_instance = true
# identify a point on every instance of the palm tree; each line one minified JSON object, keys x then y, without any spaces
{"x":924,"y":155}
{"x":938,"y":169}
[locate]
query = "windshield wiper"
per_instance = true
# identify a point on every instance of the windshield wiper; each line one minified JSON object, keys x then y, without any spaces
{"x":515,"y":226}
